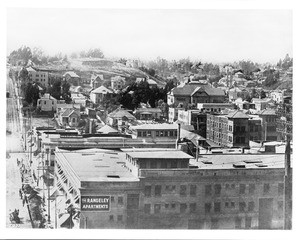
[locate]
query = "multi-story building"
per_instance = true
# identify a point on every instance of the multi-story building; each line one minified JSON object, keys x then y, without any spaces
{"x":39,"y":77}
{"x":99,"y":94}
{"x":72,"y":78}
{"x":184,"y":95}
{"x":228,"y":130}
{"x":96,"y":80}
{"x":155,"y":131}
{"x":158,"y":189}
{"x":269,"y":125}
{"x":47,"y":103}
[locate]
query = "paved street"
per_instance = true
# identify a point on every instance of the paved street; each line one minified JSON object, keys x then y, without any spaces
{"x":14,"y":150}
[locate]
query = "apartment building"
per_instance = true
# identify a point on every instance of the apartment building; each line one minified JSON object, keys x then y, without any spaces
{"x":40,"y":77}
{"x":157,"y":189}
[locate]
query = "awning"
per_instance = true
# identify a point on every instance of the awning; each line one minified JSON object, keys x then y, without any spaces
{"x":212,"y":144}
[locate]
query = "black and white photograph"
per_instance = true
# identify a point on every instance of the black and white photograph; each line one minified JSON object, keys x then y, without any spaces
{"x":148,"y":118}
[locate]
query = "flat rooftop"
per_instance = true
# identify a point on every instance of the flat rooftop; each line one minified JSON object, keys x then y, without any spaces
{"x":159,"y":154}
{"x":162,"y":126}
{"x":235,"y":161}
{"x":97,"y":165}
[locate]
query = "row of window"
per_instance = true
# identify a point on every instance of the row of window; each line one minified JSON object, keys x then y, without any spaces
{"x":164,"y":164}
{"x":119,"y":218}
{"x":216,"y":206}
{"x":242,"y":188}
{"x":171,"y":133}
{"x":157,"y":208}
{"x":215,"y":189}
{"x":183,"y":190}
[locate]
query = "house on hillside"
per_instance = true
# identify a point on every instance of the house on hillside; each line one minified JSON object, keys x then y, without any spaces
{"x":47,"y":103}
{"x":269,"y":124}
{"x":72,"y":78}
{"x":96,"y":80}
{"x":117,"y":83}
{"x":99,"y":94}
{"x":78,"y":98}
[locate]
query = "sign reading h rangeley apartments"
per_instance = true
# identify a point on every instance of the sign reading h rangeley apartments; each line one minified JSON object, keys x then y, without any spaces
{"x":95,"y":203}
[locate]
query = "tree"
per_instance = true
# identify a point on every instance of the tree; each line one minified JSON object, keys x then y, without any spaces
{"x":55,"y":89}
{"x":22,"y":54}
{"x":31,"y":94}
{"x":65,"y":92}
{"x":247,"y":67}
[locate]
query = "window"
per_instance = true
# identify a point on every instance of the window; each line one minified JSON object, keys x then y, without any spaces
{"x":157,"y":134}
{"x":226,"y":204}
{"x":143,"y":164}
{"x":45,"y":102}
{"x":171,"y":133}
{"x":139,"y":134}
{"x":232,"y":186}
{"x":120,"y":218}
{"x":147,"y":208}
{"x":174,"y":164}
{"x":243,"y":129}
{"x":208,"y":190}
{"x":73,"y":120}
{"x":218,"y":189}
{"x":266,"y":188}
{"x":217,"y":207}
{"x":251,"y":206}
{"x":164,"y":164}
{"x":165,"y":133}
{"x":167,"y":205}
{"x":147,"y":191}
{"x":227,"y":186}
{"x":111,"y":218}
{"x":183,"y":164}
{"x":230,"y":138}
{"x":251,"y":188}
{"x":157,"y":208}
{"x":144,"y":134}
{"x":232,"y":204}
{"x":157,"y":191}
{"x":280,"y":188}
{"x":153,"y":164}
{"x":242,"y":188}
{"x":230,"y":128}
{"x":120,"y":200}
{"x":207,"y":207}
{"x":183,"y":190}
{"x":112,"y":199}
{"x":148,"y":133}
{"x":238,"y":223}
{"x":237,"y":128}
{"x":193,"y":207}
{"x":193,"y":189}
{"x":242,"y":206}
{"x":248,"y":221}
{"x":183,"y":207}
{"x":173,"y":205}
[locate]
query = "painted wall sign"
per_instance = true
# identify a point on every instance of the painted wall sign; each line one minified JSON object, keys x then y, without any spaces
{"x":95,"y":203}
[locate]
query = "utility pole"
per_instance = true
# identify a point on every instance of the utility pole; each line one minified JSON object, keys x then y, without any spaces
{"x":285,"y":128}
{"x":48,"y":185}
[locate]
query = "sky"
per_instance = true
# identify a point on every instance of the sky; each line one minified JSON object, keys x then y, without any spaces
{"x":207,"y":35}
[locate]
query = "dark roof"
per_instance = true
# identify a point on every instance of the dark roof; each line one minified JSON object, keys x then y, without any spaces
{"x":237,"y":114}
{"x":188,"y":90}
{"x":68,"y":112}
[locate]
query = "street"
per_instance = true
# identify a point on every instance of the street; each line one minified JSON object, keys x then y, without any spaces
{"x":14,"y":150}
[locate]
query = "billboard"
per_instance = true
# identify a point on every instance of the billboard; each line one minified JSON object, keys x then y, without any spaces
{"x":95,"y":203}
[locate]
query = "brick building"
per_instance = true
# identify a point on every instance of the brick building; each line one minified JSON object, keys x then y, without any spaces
{"x":158,"y":189}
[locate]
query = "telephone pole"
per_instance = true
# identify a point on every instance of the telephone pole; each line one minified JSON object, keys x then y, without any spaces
{"x":285,"y":127}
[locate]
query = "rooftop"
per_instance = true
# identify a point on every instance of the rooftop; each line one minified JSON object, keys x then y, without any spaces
{"x":158,"y":154}
{"x":102,"y":89}
{"x":250,"y":161}
{"x":96,"y":165}
{"x":237,"y":114}
{"x":72,"y":74}
{"x":119,"y":113}
{"x":163,"y":126}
